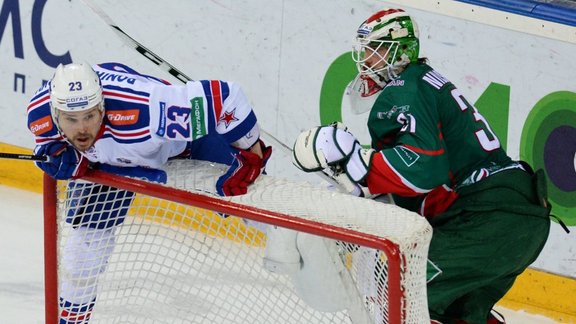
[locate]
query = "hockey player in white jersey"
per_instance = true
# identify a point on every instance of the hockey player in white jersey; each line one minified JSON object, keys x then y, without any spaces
{"x":111,"y":117}
{"x":116,"y":116}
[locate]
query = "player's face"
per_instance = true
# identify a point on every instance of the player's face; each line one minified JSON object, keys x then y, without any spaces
{"x":81,"y":128}
{"x":376,"y":57}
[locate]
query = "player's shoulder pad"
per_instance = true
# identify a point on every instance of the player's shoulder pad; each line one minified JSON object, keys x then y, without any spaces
{"x":40,"y":120}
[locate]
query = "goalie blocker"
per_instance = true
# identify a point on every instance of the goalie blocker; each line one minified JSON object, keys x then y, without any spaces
{"x":332,"y":147}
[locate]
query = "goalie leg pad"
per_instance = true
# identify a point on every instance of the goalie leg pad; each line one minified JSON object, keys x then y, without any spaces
{"x":281,"y":254}
{"x":319,"y":283}
{"x":365,"y":260}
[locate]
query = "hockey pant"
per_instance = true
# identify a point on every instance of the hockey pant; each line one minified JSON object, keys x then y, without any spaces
{"x":84,"y":258}
{"x":490,"y":235}
{"x":94,"y":212}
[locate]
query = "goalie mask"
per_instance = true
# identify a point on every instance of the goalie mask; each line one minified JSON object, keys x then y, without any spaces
{"x":385,"y":44}
{"x":75,"y":87}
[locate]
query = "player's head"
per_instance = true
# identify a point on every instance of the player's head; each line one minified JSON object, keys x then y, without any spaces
{"x":385,"y":44}
{"x":77,"y":103}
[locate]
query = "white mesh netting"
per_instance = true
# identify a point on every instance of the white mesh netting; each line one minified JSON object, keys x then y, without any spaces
{"x":139,"y":259}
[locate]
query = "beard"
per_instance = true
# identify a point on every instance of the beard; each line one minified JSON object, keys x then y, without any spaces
{"x":82,"y":142}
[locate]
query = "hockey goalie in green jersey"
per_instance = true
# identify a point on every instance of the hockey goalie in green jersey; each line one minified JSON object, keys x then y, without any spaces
{"x":436,"y":154}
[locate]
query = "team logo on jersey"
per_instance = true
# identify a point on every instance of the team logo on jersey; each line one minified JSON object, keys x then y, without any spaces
{"x":228,"y":118}
{"x":123,"y":117}
{"x":407,"y":156}
{"x":392,"y":112}
{"x":41,"y":126}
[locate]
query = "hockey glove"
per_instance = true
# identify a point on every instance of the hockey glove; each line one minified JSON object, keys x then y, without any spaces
{"x":246,"y":167}
{"x":64,"y":161}
{"x":343,"y":183}
{"x":320,"y":147}
{"x":335,"y":148}
{"x":359,"y":162}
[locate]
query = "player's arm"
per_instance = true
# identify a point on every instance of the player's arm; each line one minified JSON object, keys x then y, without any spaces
{"x":406,"y":170}
{"x":402,"y":169}
{"x":257,"y":149}
{"x":236,"y":122}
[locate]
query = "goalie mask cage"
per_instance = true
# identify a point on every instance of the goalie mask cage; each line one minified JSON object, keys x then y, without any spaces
{"x":172,"y":253}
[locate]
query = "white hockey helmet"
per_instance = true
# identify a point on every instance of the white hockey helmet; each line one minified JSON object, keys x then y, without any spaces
{"x":75,"y":87}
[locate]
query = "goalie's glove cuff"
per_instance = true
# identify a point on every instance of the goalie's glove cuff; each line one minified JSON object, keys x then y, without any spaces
{"x":359,"y":163}
{"x":348,"y":186}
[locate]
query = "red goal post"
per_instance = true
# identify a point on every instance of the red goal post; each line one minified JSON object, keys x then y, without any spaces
{"x":176,"y":259}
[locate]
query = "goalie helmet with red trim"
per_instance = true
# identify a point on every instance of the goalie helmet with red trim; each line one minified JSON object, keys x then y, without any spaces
{"x":385,"y":44}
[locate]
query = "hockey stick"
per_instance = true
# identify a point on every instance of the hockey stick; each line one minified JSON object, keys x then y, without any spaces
{"x":164,"y":65}
{"x":27,"y":157}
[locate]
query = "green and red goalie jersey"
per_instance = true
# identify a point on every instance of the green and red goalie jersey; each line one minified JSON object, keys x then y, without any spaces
{"x":430,"y":141}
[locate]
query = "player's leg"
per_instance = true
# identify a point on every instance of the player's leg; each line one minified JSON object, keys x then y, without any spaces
{"x":482,"y":299}
{"x":488,"y":237}
{"x":476,"y":271}
{"x":95,"y":205}
{"x":84,"y":257}
{"x":93,"y":212}
{"x":321,"y":281}
{"x":513,"y":252}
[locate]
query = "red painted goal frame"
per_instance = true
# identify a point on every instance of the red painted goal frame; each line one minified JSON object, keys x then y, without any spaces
{"x":184,"y":197}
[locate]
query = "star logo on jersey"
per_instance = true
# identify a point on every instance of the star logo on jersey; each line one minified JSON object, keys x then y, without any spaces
{"x":228,"y":118}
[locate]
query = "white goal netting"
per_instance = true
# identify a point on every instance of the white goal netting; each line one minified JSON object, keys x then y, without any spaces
{"x":128,"y":257}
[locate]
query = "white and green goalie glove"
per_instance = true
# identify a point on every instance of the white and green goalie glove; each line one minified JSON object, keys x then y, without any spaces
{"x":333,"y":147}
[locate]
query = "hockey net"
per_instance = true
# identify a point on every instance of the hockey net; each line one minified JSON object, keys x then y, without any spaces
{"x":177,"y":253}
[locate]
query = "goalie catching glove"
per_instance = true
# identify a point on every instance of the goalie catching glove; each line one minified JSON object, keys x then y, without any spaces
{"x":335,"y":148}
{"x":243,"y":171}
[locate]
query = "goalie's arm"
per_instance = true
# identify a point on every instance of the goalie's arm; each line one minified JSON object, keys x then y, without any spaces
{"x":335,"y":148}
